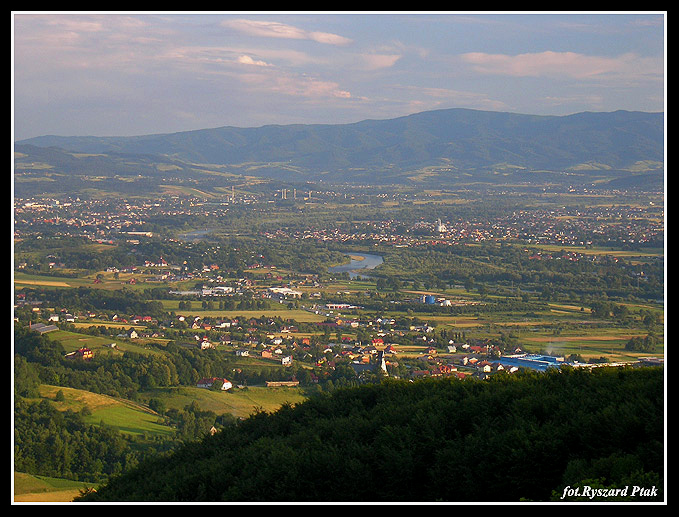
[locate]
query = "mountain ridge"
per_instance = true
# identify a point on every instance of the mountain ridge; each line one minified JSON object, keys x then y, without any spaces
{"x":362,"y":121}
{"x":456,"y":138}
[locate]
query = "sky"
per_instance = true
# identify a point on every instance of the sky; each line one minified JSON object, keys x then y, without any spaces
{"x":138,"y":73}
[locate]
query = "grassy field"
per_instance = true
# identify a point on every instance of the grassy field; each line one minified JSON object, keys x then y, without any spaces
{"x":108,"y":281}
{"x":609,"y":343}
{"x":633,"y":256}
{"x":72,"y":341}
{"x":130,"y":420}
{"x":134,"y":419}
{"x":42,"y":489}
{"x":238,"y":402}
{"x":124,"y":415}
{"x":24,"y":280}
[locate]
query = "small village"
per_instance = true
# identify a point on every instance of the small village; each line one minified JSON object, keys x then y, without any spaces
{"x":384,"y":348}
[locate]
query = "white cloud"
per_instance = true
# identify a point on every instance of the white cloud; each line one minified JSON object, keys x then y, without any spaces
{"x":294,"y":85}
{"x":269,"y":29}
{"x":309,"y":87}
{"x":328,"y":38}
{"x":377,"y":61}
{"x":84,"y":25}
{"x":247,"y":60}
{"x":588,"y":99}
{"x":431,"y":98}
{"x":561,"y":64}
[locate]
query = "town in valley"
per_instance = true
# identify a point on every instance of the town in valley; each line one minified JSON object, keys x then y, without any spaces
{"x":339,"y":257}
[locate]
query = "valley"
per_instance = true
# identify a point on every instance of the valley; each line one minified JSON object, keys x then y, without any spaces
{"x":153,"y":311}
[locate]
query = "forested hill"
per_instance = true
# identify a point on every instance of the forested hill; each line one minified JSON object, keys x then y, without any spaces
{"x":457,"y":139}
{"x":511,"y":438}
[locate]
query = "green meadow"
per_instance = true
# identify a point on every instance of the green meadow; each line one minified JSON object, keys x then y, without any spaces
{"x":239,"y":402}
{"x":72,"y":341}
{"x":124,"y":415}
{"x":43,"y":489}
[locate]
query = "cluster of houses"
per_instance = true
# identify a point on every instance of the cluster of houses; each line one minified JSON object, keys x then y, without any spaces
{"x":475,"y":367}
{"x":226,"y":385}
{"x":82,"y":354}
{"x":279,"y":347}
{"x":210,"y":382}
{"x":456,"y":359}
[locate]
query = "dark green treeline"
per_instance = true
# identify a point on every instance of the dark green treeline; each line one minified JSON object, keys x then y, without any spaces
{"x":511,"y":438}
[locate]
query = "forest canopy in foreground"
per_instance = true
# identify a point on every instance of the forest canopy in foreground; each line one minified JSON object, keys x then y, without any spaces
{"x":511,"y":438}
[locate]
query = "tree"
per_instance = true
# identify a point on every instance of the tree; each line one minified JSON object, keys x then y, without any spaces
{"x":639,"y":344}
{"x":157,"y":405}
{"x":469,"y":284}
{"x":26,"y":379}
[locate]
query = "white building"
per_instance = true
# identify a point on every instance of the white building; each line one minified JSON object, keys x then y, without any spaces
{"x":208,"y":382}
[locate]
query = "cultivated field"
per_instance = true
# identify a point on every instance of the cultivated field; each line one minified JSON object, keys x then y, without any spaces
{"x":43,"y":489}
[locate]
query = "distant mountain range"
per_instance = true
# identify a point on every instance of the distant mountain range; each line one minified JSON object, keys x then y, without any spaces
{"x":440,"y":146}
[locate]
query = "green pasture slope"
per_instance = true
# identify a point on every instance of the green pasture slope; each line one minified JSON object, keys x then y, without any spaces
{"x":241,"y":403}
{"x":72,"y":341}
{"x":28,"y":488}
{"x":124,"y":415}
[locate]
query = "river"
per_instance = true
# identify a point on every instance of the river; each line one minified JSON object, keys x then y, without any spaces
{"x":365,"y":262}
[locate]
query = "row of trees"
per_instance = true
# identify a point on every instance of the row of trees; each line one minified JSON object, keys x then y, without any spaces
{"x":121,"y":301}
{"x":643,"y":344}
{"x":495,"y":267}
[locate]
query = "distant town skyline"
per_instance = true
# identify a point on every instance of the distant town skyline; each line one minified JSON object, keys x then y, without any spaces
{"x":138,"y":73}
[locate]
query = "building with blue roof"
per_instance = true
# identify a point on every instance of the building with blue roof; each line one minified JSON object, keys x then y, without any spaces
{"x":532,"y":361}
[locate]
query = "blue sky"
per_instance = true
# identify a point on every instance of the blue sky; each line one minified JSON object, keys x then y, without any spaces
{"x":122,"y":74}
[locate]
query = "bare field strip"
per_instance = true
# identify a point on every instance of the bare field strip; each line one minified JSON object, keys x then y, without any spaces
{"x":51,"y":283}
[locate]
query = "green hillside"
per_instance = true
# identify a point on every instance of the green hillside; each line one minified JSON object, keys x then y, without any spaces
{"x":44,"y":489}
{"x":123,"y":415}
{"x":447,"y":144}
{"x":512,"y":438}
{"x":238,"y":402}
